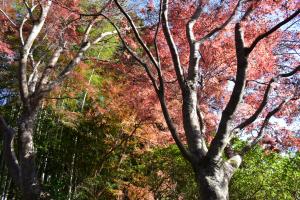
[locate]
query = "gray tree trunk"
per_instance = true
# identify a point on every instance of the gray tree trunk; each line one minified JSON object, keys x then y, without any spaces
{"x":213,"y":178}
{"x":29,"y":183}
{"x":213,"y":183}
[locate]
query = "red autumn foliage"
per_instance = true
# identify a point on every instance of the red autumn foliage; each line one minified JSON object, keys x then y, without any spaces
{"x":271,"y":57}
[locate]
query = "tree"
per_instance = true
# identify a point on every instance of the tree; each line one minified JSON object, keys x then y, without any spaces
{"x":194,"y":47}
{"x":41,"y":68}
{"x":263,"y":175}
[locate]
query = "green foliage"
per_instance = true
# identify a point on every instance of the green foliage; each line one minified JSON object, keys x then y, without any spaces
{"x":263,"y":175}
{"x":269,"y":176}
{"x":167,"y":173}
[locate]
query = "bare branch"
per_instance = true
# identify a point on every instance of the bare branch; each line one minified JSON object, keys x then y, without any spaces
{"x":22,"y":25}
{"x":194,"y":58}
{"x":160,"y":93}
{"x":29,"y":10}
{"x":297,"y":69}
{"x":191,"y":23}
{"x":86,"y":44}
{"x":259,"y":109}
{"x":156,"y":34}
{"x":186,"y":154}
{"x":51,"y":64}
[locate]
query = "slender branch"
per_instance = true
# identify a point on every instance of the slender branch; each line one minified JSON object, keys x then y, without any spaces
{"x":51,"y":64}
{"x":272,"y":30}
{"x":29,"y":10}
{"x":86,"y":44}
{"x":191,"y":23}
{"x":261,"y":131}
{"x":186,"y":154}
{"x":22,"y":25}
{"x":133,"y":54}
{"x":294,"y":71}
{"x":9,"y":19}
{"x":156,"y":34}
{"x":222,"y":26}
{"x":265,"y":98}
{"x":137,"y":35}
{"x":160,"y":93}
{"x":259,"y":109}
{"x":171,"y":44}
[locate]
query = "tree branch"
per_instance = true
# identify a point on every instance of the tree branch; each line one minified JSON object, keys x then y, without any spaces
{"x":23,"y":84}
{"x":9,"y":19}
{"x":265,"y":98}
{"x":186,"y":154}
{"x":137,"y":35}
{"x":272,"y":30}
{"x":223,"y":135}
{"x":219,"y":28}
{"x":134,"y":55}
{"x":201,"y":121}
{"x":160,"y":94}
{"x":171,"y":44}
{"x":259,"y":109}
{"x":261,"y":131}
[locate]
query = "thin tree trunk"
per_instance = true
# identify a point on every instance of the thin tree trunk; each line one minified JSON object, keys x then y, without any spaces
{"x":72,"y":174}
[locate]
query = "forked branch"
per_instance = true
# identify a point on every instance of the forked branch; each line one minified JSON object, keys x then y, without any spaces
{"x":264,"y":102}
{"x":260,"y":134}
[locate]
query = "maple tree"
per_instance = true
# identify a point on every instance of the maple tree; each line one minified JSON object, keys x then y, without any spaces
{"x":206,"y":61}
{"x":41,"y":69}
{"x":233,"y":71}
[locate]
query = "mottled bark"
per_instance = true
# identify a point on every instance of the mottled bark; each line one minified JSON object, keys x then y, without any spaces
{"x":29,"y":184}
{"x":191,"y":123}
{"x":213,"y":178}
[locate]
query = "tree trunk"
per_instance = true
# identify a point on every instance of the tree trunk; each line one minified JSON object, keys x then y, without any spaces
{"x":213,"y":178}
{"x":29,"y":183}
{"x":213,"y":184}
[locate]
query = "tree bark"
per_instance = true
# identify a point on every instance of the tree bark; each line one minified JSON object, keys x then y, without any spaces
{"x":29,"y":183}
{"x":213,"y":178}
{"x":213,"y":183}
